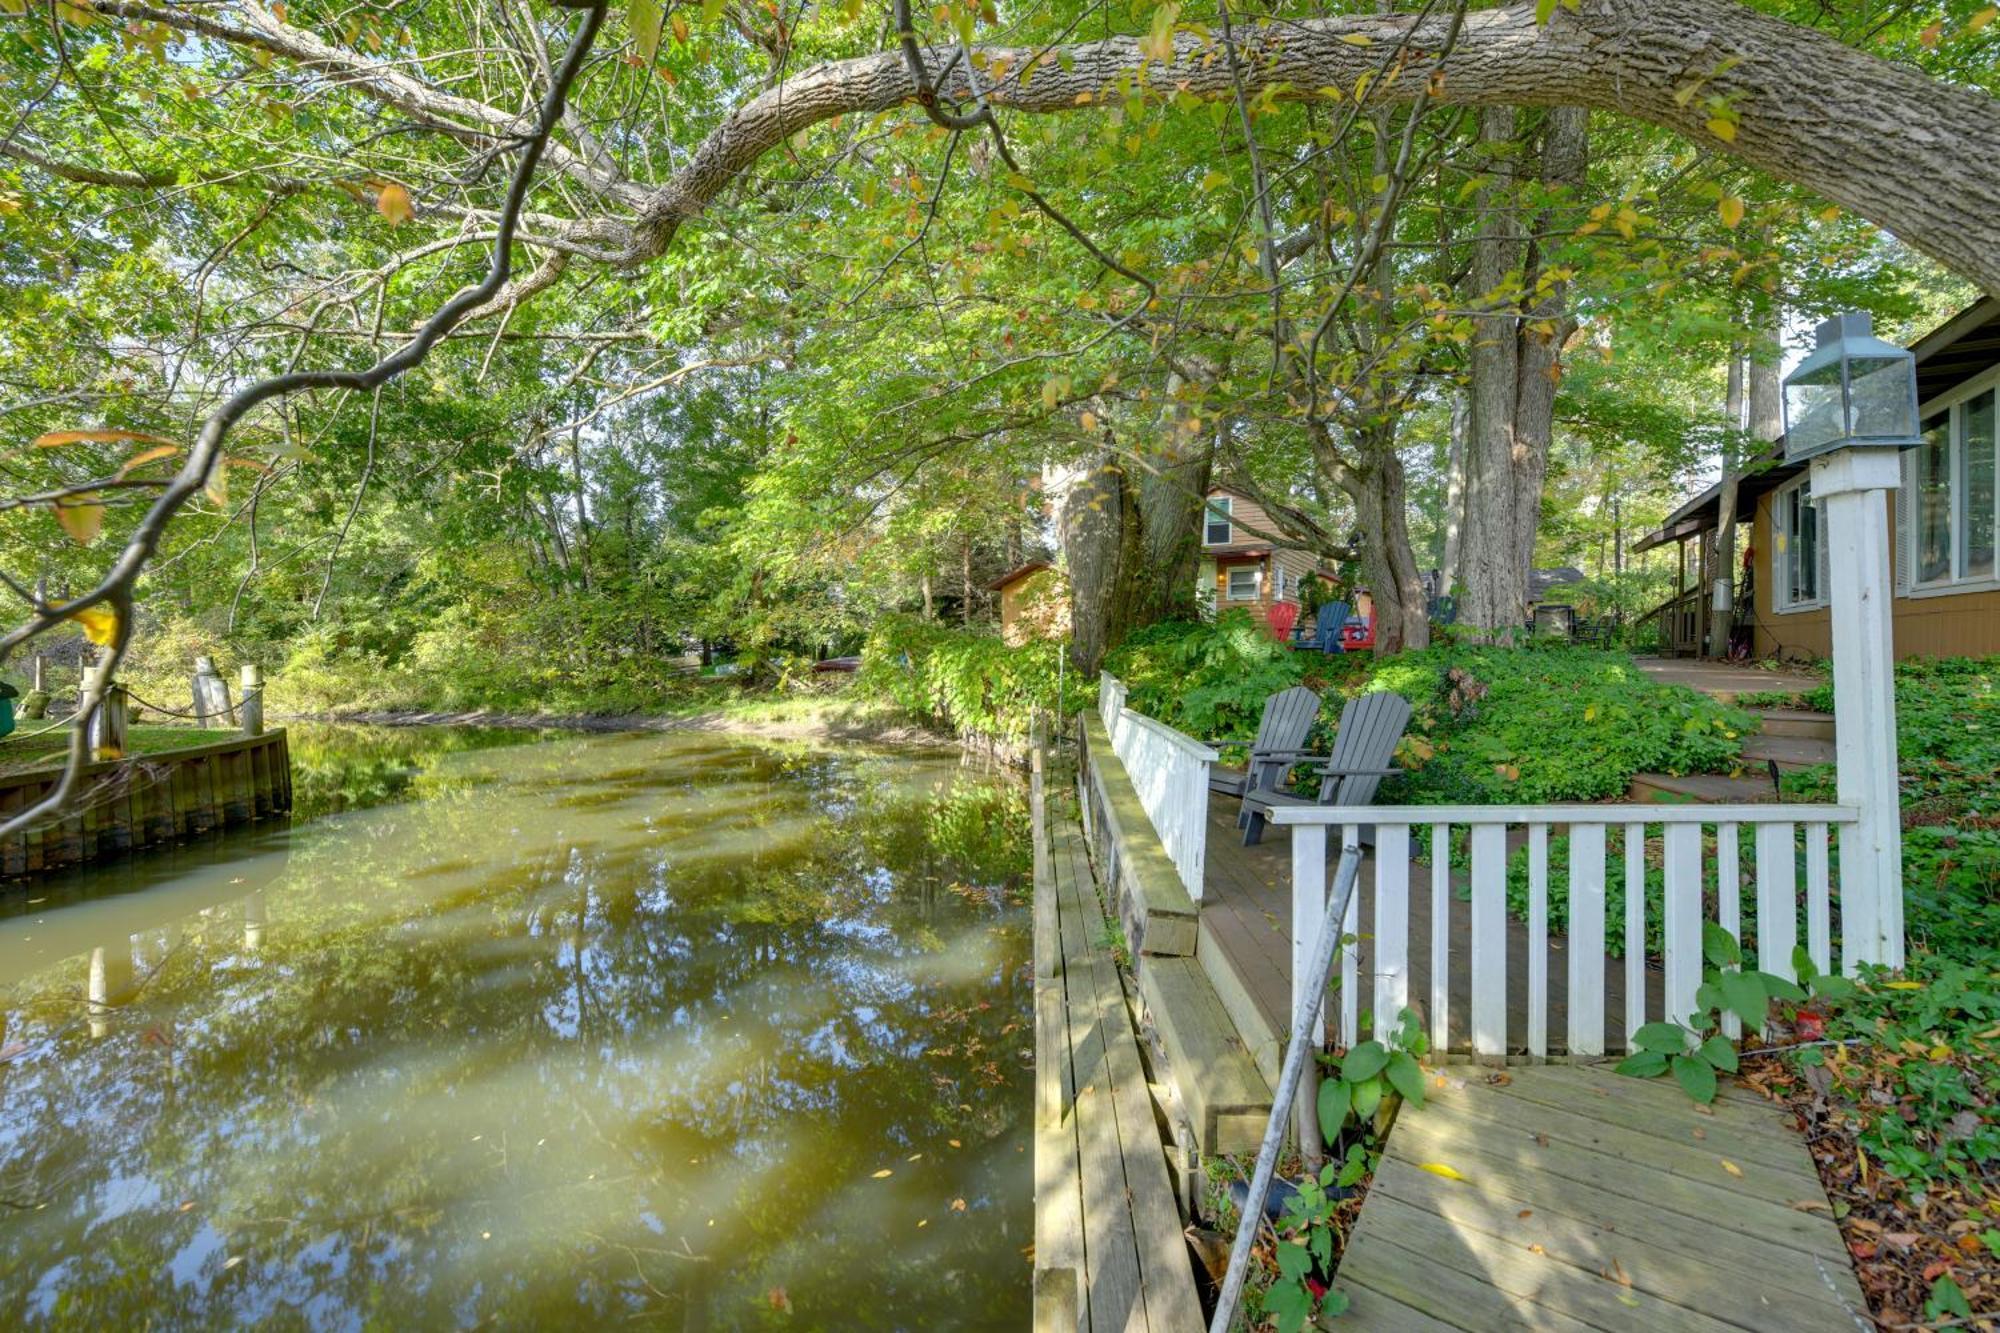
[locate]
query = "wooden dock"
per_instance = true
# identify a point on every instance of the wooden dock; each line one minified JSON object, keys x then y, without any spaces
{"x":142,"y":800}
{"x":1568,"y":1197}
{"x":1109,"y":1246}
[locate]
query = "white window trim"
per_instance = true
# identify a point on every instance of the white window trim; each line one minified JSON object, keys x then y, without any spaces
{"x":1256,"y":583}
{"x":1953,"y":583}
{"x":1224,"y":507}
{"x":1781,"y":601}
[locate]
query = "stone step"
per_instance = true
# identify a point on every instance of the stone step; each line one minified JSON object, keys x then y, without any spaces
{"x":1226,"y":1098}
{"x":1788,"y":752}
{"x":1796,"y":722}
{"x":1704,"y":788}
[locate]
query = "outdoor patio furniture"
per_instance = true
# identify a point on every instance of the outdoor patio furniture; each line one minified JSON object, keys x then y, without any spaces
{"x":1281,"y":737}
{"x":1370,"y":727}
{"x":1327,"y":623}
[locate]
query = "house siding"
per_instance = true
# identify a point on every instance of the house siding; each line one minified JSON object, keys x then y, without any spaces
{"x":1939,"y":624}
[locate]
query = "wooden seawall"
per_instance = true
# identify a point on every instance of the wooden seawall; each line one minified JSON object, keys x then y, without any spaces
{"x":143,"y":800}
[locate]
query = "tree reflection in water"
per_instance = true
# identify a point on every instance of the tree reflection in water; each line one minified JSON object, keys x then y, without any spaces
{"x":653,"y":1027}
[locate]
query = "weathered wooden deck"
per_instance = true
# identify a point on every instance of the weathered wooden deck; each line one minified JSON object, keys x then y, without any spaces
{"x":1572,"y":1198}
{"x":1109,"y":1251}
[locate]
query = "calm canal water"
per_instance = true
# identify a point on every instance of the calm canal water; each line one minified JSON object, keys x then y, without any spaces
{"x":633,"y":1029}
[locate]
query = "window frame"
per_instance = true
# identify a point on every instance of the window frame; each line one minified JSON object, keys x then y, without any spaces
{"x":1954,"y":404}
{"x":1784,"y":556}
{"x":1256,"y":574}
{"x":1220,"y":507}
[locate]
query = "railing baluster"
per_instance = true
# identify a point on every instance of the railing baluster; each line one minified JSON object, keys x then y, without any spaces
{"x":1392,"y":927}
{"x":1777,"y":905}
{"x":1538,"y":940}
{"x":1819,"y":900}
{"x":1635,"y":930}
{"x":1586,"y":939}
{"x":1308,"y":908}
{"x":1682,"y":922}
{"x":1440,"y":937}
{"x":1489,"y":939}
{"x":1350,"y":956}
{"x":1729,"y":902}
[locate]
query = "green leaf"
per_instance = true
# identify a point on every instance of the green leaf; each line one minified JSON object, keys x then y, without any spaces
{"x":1779,"y":988}
{"x":1335,"y":1098}
{"x":1696,"y":1077}
{"x":1802,"y":964}
{"x":1718,"y":945}
{"x":711,"y":10}
{"x":1335,"y":1302}
{"x":645,"y":17}
{"x":1643,"y":1064}
{"x":1947,"y":1300}
{"x":1406,"y":1077}
{"x":1293,"y":1261}
{"x":1354,"y":1168}
{"x":1367,"y":1096}
{"x":1746,"y":996}
{"x":1289,"y":1303}
{"x":1365,"y":1061}
{"x":1667,"y":1038}
{"x":1718,"y":1052}
{"x":1544,"y":11}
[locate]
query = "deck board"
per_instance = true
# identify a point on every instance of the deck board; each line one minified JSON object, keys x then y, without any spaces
{"x":1105,"y":1209}
{"x":1561,"y":1220}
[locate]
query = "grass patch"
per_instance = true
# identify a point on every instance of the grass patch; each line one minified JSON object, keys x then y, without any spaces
{"x":22,"y":751}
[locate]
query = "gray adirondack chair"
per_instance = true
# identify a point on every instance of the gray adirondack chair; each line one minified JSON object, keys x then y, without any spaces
{"x":1370,"y":726}
{"x":1281,"y":738}
{"x":1326,"y":626}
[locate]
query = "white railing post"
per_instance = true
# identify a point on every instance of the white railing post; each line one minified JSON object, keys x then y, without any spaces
{"x":1852,"y":488}
{"x":1308,"y":911}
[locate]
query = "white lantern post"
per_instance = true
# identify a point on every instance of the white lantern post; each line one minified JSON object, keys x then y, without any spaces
{"x":1851,"y":409}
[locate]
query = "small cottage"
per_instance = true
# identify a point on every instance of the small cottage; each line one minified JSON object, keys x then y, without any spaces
{"x":1243,"y":565}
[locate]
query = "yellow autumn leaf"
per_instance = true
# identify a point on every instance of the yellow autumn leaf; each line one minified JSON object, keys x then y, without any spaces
{"x":1722,"y":129}
{"x":1357,"y":39}
{"x":1089,"y":421}
{"x":1979,"y":21}
{"x":885,"y":1171}
{"x":1730,"y":1166}
{"x":56,"y":438}
{"x":100,"y":624}
{"x":81,"y":516}
{"x":393,"y":203}
{"x":1904,"y":985}
{"x":1440,"y":1169}
{"x":1731,"y":209}
{"x":145,"y":456}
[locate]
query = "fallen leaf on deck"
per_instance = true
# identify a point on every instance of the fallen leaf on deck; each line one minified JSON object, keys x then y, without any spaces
{"x":1525,"y":1212}
{"x":1730,"y":1166}
{"x":1536,"y":1249}
{"x":1440,"y":1169}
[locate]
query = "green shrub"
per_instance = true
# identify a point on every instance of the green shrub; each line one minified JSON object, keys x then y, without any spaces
{"x":1209,"y":681}
{"x":1947,"y":741}
{"x":1525,"y":725}
{"x":973,"y":684}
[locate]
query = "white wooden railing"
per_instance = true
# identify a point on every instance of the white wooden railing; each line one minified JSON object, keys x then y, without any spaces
{"x":1169,"y":770}
{"x":1785,"y":837}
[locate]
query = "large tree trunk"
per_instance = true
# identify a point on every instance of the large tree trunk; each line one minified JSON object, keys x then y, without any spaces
{"x":1370,"y":473}
{"x":1100,"y":536}
{"x":1722,"y":605}
{"x":1515,"y":364}
{"x":1173,"y":488}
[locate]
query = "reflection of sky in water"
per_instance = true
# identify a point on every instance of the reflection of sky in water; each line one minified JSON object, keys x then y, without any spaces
{"x":596,"y":1029}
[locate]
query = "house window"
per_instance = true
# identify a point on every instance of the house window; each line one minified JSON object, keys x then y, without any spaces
{"x":1219,"y":531}
{"x":1953,"y":510}
{"x":1243,"y":583}
{"x":1288,"y":586}
{"x":1796,"y":566}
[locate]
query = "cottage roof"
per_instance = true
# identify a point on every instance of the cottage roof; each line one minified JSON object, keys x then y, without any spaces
{"x":1016,"y":574}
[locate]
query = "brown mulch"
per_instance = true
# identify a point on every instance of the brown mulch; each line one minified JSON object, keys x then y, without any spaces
{"x":1900,"y":1239}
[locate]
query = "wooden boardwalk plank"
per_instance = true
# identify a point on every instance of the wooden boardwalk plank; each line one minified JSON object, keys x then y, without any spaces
{"x":1582,"y":1201}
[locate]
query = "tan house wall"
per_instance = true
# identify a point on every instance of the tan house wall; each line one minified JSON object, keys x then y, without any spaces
{"x":1949,"y":624}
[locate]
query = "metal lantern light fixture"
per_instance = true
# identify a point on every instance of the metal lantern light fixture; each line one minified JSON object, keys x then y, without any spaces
{"x":1854,"y":389}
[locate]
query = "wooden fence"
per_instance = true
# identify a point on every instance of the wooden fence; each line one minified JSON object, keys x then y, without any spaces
{"x":1700,"y":845}
{"x":121,"y":804}
{"x":1170,"y":772}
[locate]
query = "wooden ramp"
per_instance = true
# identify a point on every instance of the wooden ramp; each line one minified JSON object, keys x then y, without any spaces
{"x":1593,"y":1201}
{"x":1109,"y":1251}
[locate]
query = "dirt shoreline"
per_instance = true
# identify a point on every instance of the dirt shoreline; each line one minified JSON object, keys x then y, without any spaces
{"x":872,"y":728}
